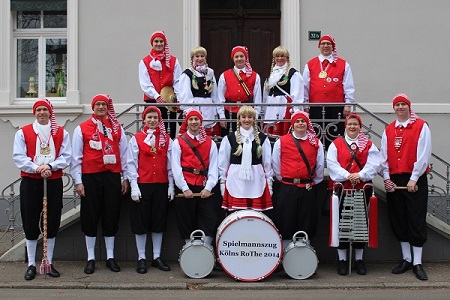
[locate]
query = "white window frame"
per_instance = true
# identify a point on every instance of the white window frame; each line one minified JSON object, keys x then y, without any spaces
{"x":17,"y":111}
{"x":42,"y":35}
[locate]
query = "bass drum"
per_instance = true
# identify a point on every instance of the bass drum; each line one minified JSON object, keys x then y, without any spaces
{"x":249,"y":246}
{"x":196,"y":257}
{"x":300,"y":259}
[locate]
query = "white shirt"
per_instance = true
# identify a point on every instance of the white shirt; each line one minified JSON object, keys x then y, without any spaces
{"x":339,"y":174}
{"x":26,"y":164}
{"x":147,"y":85}
{"x":347,"y":81}
{"x":133,"y":161}
{"x":257,"y":97}
{"x":77,"y":154}
{"x":423,"y":152}
{"x":177,"y":171}
{"x":320,"y":160}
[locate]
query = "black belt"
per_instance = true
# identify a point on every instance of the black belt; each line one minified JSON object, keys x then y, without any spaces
{"x":194,"y":171}
{"x":296,"y":180}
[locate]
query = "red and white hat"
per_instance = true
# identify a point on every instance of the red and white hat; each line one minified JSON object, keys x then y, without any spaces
{"x":401,"y":98}
{"x":309,"y":128}
{"x":111,"y":112}
{"x":162,"y":129}
{"x":45,"y":102}
{"x":194,"y":112}
{"x":243,"y":49}
{"x":166,"y":52}
{"x":329,"y":38}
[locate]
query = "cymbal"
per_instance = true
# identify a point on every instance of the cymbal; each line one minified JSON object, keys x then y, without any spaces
{"x":169,"y":95}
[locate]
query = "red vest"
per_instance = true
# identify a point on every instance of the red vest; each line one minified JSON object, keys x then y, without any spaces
{"x":152,"y":166}
{"x":30,"y":140}
{"x":344,"y":158}
{"x":329,"y":89}
{"x":93,"y":159}
{"x":292,"y":163}
{"x":162,"y":78}
{"x":190,"y":160}
{"x":403,"y":159}
{"x":235,"y":92}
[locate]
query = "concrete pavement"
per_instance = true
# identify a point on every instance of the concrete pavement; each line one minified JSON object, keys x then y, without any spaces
{"x":72,"y":277}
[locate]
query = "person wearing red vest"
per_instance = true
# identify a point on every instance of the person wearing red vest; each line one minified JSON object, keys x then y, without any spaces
{"x":151,"y":182}
{"x":352,"y":160}
{"x":239,"y":84}
{"x":295,"y":207}
{"x":41,"y":149}
{"x":98,"y":160}
{"x":328,"y":79}
{"x":194,"y":167}
{"x":198,"y":85}
{"x":405,"y":157}
{"x":245,"y":166}
{"x":284,"y":86}
{"x":157,"y":70}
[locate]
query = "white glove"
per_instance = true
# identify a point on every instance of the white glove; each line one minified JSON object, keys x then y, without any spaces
{"x":135,"y":192}
{"x":222,"y":187}
{"x":171,"y":192}
{"x":269,"y":184}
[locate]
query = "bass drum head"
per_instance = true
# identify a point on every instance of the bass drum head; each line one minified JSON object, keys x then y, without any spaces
{"x":197,"y":261}
{"x":300,"y":262}
{"x":249,"y":246}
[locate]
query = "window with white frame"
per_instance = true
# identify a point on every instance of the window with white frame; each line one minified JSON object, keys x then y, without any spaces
{"x":41,"y":53}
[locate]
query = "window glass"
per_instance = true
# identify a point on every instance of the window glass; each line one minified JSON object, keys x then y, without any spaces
{"x":56,"y":63}
{"x":27,"y":68}
{"x":55,"y":19}
{"x":28,"y":19}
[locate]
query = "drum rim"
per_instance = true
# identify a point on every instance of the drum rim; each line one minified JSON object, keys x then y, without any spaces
{"x":286,"y":253}
{"x":260,"y":216}
{"x":205,"y":246}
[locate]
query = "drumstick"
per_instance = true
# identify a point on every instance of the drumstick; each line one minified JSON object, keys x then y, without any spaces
{"x":405,"y":188}
{"x":193,"y":195}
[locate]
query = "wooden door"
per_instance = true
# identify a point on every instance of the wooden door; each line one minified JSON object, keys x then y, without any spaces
{"x":225,"y":24}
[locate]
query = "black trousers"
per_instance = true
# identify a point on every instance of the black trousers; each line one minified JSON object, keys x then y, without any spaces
{"x":197,"y":213}
{"x":295,"y":209}
{"x":408,"y":211}
{"x":102,"y":201}
{"x":31,"y":196}
{"x":150,"y":214}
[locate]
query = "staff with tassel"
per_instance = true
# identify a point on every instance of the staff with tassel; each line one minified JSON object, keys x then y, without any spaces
{"x":45,"y":265}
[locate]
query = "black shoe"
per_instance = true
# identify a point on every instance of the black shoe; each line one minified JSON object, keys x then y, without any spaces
{"x":141,"y":266}
{"x":30,"y":274}
{"x":53,"y":272}
{"x":90,"y":267}
{"x":420,"y":272}
{"x":160,"y":264}
{"x":112,"y":265}
{"x":360,"y":267}
{"x":402,"y":267}
{"x":342,"y":267}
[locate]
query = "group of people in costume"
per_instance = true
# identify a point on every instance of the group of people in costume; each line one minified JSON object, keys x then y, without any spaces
{"x":157,"y":166}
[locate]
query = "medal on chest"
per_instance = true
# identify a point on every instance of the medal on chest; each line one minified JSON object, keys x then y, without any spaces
{"x":323,"y":74}
{"x":45,"y":149}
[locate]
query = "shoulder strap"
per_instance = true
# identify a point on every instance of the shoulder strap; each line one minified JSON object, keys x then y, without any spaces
{"x":195,"y":152}
{"x":189,"y":73}
{"x":302,"y":153}
{"x":244,"y":86}
{"x":354,"y":158}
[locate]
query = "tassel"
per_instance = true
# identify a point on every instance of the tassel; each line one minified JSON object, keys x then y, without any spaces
{"x":373,"y":221}
{"x":334,"y":220}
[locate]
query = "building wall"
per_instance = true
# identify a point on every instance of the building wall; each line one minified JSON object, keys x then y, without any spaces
{"x":392,"y":47}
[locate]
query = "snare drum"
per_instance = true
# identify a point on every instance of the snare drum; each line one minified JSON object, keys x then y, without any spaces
{"x":299,"y":259}
{"x":249,"y":246}
{"x":197,"y":258}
